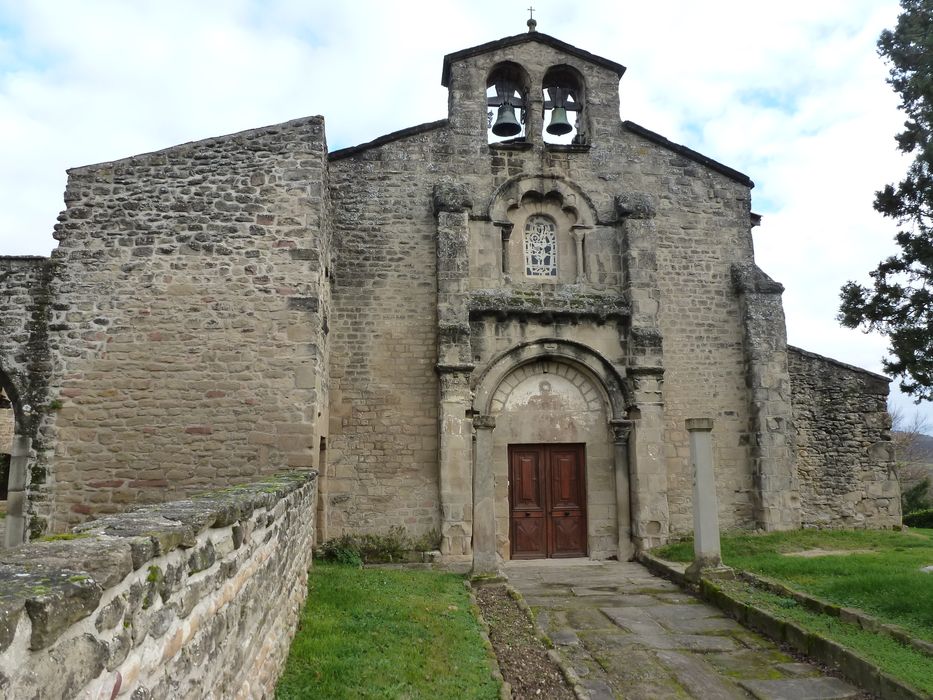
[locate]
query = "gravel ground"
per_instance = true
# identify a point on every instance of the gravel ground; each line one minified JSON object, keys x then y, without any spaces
{"x":522,"y":657}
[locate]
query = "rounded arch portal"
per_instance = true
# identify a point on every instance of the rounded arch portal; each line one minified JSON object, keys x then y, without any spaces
{"x":550,"y":404}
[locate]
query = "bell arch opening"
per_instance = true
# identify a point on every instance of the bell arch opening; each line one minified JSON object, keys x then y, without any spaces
{"x":563,"y":104}
{"x":506,"y":101}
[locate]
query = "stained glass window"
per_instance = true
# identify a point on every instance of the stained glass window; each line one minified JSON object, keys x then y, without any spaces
{"x":540,"y":247}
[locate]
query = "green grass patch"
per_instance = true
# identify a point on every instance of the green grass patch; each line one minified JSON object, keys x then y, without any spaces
{"x":380,"y":633}
{"x":905,"y":663}
{"x":884,"y":581}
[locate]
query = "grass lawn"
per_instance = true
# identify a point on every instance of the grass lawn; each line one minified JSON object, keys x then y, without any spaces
{"x":380,"y":633}
{"x":883,"y":579}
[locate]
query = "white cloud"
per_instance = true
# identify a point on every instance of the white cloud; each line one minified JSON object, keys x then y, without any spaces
{"x":793,"y":94}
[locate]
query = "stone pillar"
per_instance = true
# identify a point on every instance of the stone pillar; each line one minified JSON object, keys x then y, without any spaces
{"x":621,"y":429}
{"x":579,"y":234}
{"x":485,"y":558}
{"x":16,"y":492}
{"x":648,"y":474}
{"x":452,"y":203}
{"x":456,"y":461}
{"x":774,"y":471}
{"x":706,"y":551}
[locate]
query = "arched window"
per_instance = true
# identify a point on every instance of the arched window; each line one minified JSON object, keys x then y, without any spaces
{"x":540,"y":247}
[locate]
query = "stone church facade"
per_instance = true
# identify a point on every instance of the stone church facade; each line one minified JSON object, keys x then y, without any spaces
{"x":496,"y":340}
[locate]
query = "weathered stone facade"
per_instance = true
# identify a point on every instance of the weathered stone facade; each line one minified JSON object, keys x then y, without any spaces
{"x":404,"y":314}
{"x":195,"y":598}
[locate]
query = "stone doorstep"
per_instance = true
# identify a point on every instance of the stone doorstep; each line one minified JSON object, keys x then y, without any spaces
{"x":853,"y":667}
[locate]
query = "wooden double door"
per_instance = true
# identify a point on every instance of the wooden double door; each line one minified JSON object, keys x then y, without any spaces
{"x":547,"y":501}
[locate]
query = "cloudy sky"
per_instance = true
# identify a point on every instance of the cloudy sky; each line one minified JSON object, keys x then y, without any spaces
{"x":792,"y":94}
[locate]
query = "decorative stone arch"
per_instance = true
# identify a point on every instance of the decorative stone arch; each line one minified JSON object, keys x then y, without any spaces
{"x":601,"y":398}
{"x":584,"y":359}
{"x":525,"y":197}
{"x":568,"y":196}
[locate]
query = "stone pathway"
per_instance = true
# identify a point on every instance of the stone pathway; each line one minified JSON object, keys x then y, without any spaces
{"x":629,"y":634}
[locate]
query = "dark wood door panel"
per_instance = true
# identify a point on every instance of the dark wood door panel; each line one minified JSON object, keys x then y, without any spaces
{"x":547,"y":501}
{"x":568,"y":536}
{"x":529,"y":537}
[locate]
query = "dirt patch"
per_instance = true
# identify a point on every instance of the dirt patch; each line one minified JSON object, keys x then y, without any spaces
{"x":523,"y":658}
{"x":811,"y":553}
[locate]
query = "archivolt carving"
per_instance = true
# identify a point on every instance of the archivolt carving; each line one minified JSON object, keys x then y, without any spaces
{"x":594,"y":398}
{"x":541,"y":190}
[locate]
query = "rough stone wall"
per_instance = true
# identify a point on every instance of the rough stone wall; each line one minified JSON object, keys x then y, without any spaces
{"x":188,"y":329}
{"x":192,"y":599}
{"x":845,"y":457}
{"x":24,"y":358}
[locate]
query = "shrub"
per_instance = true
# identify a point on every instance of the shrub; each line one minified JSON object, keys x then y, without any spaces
{"x":920,"y":518}
{"x":917,"y":497}
{"x":428,"y":542}
{"x":370,"y":549}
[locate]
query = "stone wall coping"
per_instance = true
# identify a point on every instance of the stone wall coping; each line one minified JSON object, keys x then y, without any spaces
{"x":23,"y":258}
{"x":246,"y":133}
{"x":387,"y":138}
{"x":60,"y":579}
{"x":837,"y":363}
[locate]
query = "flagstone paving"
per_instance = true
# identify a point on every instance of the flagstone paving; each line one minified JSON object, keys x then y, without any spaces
{"x":629,"y":634}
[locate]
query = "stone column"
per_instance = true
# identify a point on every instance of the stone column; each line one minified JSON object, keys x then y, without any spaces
{"x":621,"y":429}
{"x":706,"y":551}
{"x":485,"y":559}
{"x":452,"y":203}
{"x":579,"y":235}
{"x":774,"y":470}
{"x":16,"y":492}
{"x":456,"y":461}
{"x":648,"y":473}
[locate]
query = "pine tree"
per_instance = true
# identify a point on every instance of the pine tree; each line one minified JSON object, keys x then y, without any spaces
{"x":899,"y":303}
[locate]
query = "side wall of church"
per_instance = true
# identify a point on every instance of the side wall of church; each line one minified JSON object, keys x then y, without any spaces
{"x":187,"y":338}
{"x":381,"y":467}
{"x":701,"y":228}
{"x":845,"y":458}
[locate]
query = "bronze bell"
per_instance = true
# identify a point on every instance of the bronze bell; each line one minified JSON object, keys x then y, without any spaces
{"x":559,"y":124}
{"x":506,"y":123}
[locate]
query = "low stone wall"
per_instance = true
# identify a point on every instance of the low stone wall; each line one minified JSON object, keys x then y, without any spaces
{"x":195,"y":598}
{"x":845,"y":457}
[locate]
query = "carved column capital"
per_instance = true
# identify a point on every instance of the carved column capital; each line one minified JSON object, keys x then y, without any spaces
{"x":621,"y":430}
{"x":451,"y":196}
{"x":484,"y":422}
